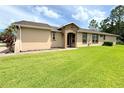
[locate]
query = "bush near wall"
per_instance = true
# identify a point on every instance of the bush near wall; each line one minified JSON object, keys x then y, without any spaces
{"x":120,"y":43}
{"x":108,"y":44}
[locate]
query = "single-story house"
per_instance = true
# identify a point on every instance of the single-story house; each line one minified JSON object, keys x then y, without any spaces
{"x":37,"y":36}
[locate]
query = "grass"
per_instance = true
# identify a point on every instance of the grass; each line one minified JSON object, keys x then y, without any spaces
{"x":101,"y":67}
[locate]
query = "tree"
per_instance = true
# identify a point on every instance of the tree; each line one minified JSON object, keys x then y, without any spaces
{"x":115,"y":22}
{"x":117,"y":16}
{"x":93,"y":24}
{"x":106,"y":25}
{"x":8,"y":37}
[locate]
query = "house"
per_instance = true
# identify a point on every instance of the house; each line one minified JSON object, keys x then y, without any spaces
{"x":37,"y":36}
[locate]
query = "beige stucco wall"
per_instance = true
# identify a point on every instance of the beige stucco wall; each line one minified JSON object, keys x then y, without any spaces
{"x":17,"y":42}
{"x":79,"y":40}
{"x":111,"y":39}
{"x":59,"y":40}
{"x":69,"y":29}
{"x":89,"y":39}
{"x":35,"y":39}
{"x":100,"y":41}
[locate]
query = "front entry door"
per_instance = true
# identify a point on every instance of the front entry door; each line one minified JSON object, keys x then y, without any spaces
{"x":71,"y":40}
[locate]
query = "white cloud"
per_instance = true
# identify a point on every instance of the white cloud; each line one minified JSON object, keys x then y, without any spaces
{"x":47,"y":12}
{"x":85,"y":14}
{"x":37,"y":19}
{"x":97,"y":15}
{"x":81,"y":14}
{"x":11,"y":14}
{"x":2,"y":25}
{"x":14,"y":14}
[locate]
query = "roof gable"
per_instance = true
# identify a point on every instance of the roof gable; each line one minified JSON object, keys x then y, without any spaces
{"x":73,"y":24}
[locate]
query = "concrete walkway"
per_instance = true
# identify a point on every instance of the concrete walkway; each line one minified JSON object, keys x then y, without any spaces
{"x":32,"y":52}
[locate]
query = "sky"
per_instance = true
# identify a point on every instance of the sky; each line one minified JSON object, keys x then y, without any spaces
{"x":54,"y":15}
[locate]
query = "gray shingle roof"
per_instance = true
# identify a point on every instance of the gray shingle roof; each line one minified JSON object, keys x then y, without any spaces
{"x":94,"y":32}
{"x":30,"y":23}
{"x":54,"y":28}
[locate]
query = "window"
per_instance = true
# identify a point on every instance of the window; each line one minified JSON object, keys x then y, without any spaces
{"x":53,"y":36}
{"x":101,"y":36}
{"x":84,"y":38}
{"x":94,"y":38}
{"x":104,"y":37}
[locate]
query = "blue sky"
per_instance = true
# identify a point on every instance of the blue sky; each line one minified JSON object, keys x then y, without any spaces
{"x":54,"y":15}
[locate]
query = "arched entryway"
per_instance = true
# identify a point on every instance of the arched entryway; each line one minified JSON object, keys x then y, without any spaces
{"x":70,"y":40}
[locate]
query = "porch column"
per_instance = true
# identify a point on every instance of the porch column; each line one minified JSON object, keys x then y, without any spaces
{"x":65,"y":40}
{"x":75,"y":39}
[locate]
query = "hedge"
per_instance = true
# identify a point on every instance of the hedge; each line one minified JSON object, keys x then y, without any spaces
{"x":108,"y":44}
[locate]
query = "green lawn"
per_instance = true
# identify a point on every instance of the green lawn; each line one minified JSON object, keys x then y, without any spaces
{"x":84,"y":67}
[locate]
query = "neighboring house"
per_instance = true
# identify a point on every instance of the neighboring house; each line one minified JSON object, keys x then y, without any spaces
{"x":37,"y":36}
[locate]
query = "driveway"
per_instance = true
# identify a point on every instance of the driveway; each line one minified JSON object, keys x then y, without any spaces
{"x":3,"y":50}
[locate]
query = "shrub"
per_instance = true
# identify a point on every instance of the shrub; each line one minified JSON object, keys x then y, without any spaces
{"x":108,"y":44}
{"x":120,"y":43}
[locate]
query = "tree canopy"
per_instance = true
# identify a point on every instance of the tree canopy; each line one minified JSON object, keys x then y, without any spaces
{"x":93,"y":24}
{"x":8,"y":37}
{"x":114,"y":23}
